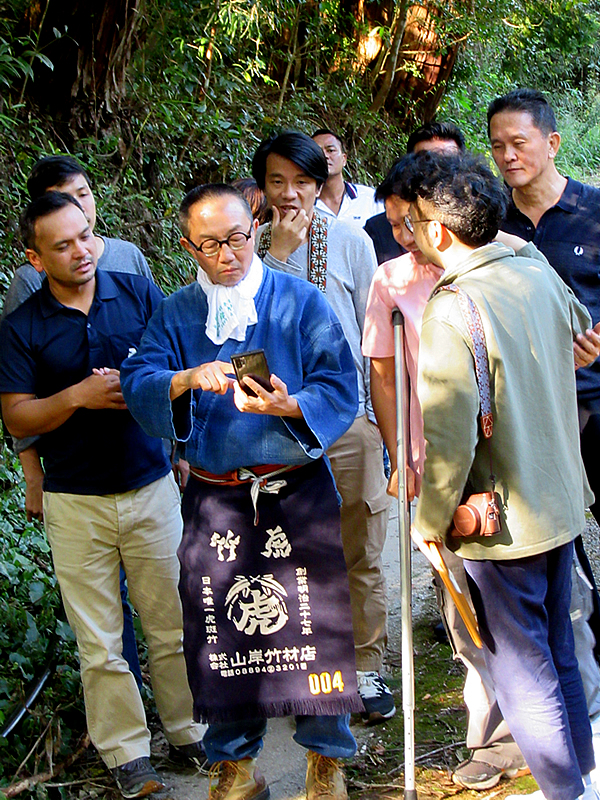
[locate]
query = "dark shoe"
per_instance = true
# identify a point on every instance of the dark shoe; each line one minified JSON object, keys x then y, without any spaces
{"x":377,"y":698}
{"x":189,"y":755}
{"x":324,"y":778}
{"x":237,"y":780}
{"x":439,"y":633}
{"x":137,"y":778}
{"x":479,"y":775}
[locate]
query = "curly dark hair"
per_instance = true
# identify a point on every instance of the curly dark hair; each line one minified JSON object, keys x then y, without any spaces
{"x":465,"y":195}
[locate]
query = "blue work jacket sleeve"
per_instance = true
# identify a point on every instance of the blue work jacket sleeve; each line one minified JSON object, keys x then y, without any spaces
{"x":305,"y":347}
{"x":146,"y":383}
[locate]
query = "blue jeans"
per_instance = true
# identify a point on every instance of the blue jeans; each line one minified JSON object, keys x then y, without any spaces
{"x":327,"y":735}
{"x":523,"y":612}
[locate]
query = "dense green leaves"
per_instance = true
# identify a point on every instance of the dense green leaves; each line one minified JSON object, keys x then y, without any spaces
{"x":32,"y":634}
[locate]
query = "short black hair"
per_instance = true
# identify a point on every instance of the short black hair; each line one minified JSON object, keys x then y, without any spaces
{"x":47,"y":203}
{"x":298,"y":148}
{"x":436,"y":130}
{"x":208,"y":191}
{"x":53,"y":171}
{"x":329,"y":132}
{"x":390,"y":185}
{"x":463,"y":192}
{"x":529,"y":100}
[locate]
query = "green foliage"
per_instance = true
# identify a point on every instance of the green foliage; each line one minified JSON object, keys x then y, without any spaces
{"x":551,"y":45}
{"x":33,"y":632}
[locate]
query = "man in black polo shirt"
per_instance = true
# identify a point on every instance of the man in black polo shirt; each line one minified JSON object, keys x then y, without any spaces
{"x":109,"y":495}
{"x":562,"y":218}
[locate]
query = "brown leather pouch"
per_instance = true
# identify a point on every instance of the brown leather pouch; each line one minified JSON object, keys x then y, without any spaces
{"x":478,"y":516}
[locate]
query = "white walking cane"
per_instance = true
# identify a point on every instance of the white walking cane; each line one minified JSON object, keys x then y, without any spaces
{"x":408,"y":667}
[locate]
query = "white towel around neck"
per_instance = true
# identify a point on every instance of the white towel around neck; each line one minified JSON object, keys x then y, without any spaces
{"x":231,"y":308}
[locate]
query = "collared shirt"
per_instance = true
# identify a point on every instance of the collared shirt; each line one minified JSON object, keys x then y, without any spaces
{"x":380,"y":231}
{"x":46,"y":347}
{"x":568,"y":234}
{"x":358,"y":204}
{"x":406,"y":284}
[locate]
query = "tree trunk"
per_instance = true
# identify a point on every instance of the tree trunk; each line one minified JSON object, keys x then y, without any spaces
{"x":90,"y":43}
{"x":420,"y":86}
{"x":391,"y":61}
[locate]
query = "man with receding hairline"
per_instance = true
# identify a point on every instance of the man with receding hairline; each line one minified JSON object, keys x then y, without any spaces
{"x":267,"y":622}
{"x":561,"y":216}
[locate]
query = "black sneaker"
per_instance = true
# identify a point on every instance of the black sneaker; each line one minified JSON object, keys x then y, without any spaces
{"x":377,"y":698}
{"x":189,"y":755}
{"x":137,"y":778}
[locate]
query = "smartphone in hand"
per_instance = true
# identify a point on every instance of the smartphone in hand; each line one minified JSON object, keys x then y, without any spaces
{"x":254,"y":365}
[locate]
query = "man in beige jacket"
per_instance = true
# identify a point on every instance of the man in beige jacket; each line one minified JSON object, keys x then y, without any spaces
{"x":520,"y":577}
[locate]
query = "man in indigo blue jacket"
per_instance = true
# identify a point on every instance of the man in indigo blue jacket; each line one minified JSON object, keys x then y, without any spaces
{"x":267,"y":621}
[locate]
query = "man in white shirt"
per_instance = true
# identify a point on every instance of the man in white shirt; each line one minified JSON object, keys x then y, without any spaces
{"x":351,"y":202}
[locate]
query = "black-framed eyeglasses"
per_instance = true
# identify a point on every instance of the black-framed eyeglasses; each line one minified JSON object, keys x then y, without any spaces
{"x":210,"y":247}
{"x":411,"y":223}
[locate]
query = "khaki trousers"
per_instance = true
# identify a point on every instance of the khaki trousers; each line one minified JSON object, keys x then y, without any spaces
{"x":357,"y":465}
{"x":89,"y":536}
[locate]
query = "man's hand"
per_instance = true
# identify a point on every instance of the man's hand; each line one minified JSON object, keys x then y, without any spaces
{"x":586,"y":347}
{"x":278,"y":403}
{"x":27,"y":415}
{"x":102,"y":389}
{"x":425,"y":546}
{"x":288,"y":233}
{"x":510,"y":240}
{"x":392,"y":487}
{"x":34,"y":482}
{"x":210,"y":377}
{"x":181,"y":471}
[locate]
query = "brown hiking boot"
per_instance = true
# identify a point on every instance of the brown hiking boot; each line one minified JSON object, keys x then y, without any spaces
{"x":324,"y":778}
{"x":237,"y":780}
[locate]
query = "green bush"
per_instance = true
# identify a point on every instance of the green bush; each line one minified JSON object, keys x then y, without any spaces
{"x":33,"y":634}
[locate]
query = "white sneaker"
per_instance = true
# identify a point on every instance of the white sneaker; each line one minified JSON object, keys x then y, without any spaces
{"x":590,"y":793}
{"x":377,"y":698}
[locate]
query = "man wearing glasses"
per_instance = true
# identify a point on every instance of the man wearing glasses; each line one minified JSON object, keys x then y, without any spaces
{"x":267,"y":619}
